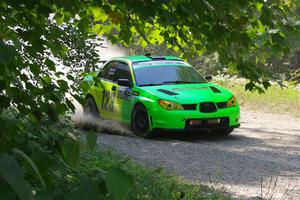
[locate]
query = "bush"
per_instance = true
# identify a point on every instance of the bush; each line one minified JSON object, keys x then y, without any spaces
{"x":50,"y":161}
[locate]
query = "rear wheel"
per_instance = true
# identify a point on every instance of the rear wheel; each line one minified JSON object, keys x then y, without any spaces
{"x":140,"y":122}
{"x":90,"y":107}
{"x":225,"y":131}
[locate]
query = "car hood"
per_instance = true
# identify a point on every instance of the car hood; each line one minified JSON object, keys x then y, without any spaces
{"x":189,"y":93}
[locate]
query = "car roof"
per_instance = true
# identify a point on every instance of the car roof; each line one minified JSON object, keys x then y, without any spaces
{"x":141,"y":58}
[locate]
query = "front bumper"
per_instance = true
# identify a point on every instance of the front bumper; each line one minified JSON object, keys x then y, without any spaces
{"x":179,"y":119}
{"x":162,"y":130}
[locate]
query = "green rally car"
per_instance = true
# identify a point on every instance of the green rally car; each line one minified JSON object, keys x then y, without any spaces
{"x":156,"y":93}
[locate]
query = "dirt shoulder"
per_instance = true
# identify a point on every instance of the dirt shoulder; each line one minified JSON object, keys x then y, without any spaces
{"x":262,"y":158}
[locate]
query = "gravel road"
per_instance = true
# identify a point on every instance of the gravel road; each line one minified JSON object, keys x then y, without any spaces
{"x":261,"y":158}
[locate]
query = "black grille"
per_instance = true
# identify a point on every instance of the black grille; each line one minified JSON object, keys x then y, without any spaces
{"x":221,"y":105}
{"x":224,"y":122}
{"x":189,"y":106}
{"x":208,"y":107}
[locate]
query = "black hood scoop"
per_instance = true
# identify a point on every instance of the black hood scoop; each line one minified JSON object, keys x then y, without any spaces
{"x":167,"y":92}
{"x":214,"y":89}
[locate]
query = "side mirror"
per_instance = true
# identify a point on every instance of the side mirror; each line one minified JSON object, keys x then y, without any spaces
{"x":208,"y":78}
{"x":124,"y":82}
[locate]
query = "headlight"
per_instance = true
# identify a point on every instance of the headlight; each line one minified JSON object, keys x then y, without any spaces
{"x":232,"y":102}
{"x":169,"y":105}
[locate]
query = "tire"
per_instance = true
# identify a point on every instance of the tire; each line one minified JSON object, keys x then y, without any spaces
{"x":140,"y":122}
{"x":222,"y":132}
{"x":90,"y":107}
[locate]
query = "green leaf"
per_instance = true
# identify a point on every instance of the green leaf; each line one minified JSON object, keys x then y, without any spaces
{"x":59,"y":18}
{"x":32,"y":165}
{"x":70,"y":151}
{"x":61,"y":108}
{"x":3,"y":5}
{"x":41,"y":160}
{"x":266,"y":84}
{"x":99,"y":14}
{"x":118,"y":183}
{"x":11,"y":172}
{"x":50,"y":64}
{"x":6,"y":192}
{"x":63,"y":85}
{"x":249,"y":86}
{"x":47,"y":79}
{"x":261,"y":28}
{"x":35,"y":69}
{"x":6,"y":53}
{"x":4,"y":101}
{"x":85,"y":86}
{"x":86,"y":190}
{"x":70,"y":105}
{"x":91,"y":139}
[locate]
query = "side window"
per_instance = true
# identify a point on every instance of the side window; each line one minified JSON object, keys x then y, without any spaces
{"x":122,"y":72}
{"x":108,"y":71}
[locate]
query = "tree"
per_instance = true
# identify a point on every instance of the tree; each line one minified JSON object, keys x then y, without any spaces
{"x":245,"y":34}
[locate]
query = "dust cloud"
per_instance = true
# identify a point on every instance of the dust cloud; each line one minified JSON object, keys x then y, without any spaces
{"x":89,"y":122}
{"x":108,"y":50}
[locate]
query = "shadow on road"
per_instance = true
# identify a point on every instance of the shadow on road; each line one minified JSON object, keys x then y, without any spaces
{"x":194,"y":136}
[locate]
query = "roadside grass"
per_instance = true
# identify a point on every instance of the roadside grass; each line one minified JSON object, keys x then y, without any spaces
{"x":57,"y":161}
{"x":275,"y":100}
{"x":152,"y":183}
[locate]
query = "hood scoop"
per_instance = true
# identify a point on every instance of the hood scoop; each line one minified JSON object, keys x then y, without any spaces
{"x":167,"y":92}
{"x":214,"y":89}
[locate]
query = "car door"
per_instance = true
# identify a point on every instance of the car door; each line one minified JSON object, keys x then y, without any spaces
{"x":107,"y":108}
{"x":124,"y":94}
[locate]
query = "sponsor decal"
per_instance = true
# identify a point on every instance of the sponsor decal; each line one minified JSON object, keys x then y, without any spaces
{"x":166,"y":62}
{"x":125,"y":93}
{"x":108,"y":101}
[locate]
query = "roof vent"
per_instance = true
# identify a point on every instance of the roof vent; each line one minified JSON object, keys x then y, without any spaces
{"x":155,"y":57}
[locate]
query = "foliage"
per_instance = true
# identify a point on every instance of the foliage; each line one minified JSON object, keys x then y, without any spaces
{"x":83,"y":54}
{"x":94,"y":175}
{"x":53,"y":164}
{"x":153,"y":183}
{"x":206,"y":64}
{"x":245,"y":34}
{"x":34,"y":40}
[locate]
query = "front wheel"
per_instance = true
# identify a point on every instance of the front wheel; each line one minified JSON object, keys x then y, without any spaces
{"x":140,"y":122}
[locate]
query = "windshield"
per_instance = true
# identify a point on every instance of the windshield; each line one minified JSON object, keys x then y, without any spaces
{"x":166,"y":74}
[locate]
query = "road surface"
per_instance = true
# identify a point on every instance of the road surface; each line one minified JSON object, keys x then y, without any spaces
{"x":260,"y":159}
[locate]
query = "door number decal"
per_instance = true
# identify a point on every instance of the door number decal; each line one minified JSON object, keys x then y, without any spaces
{"x":108,"y":101}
